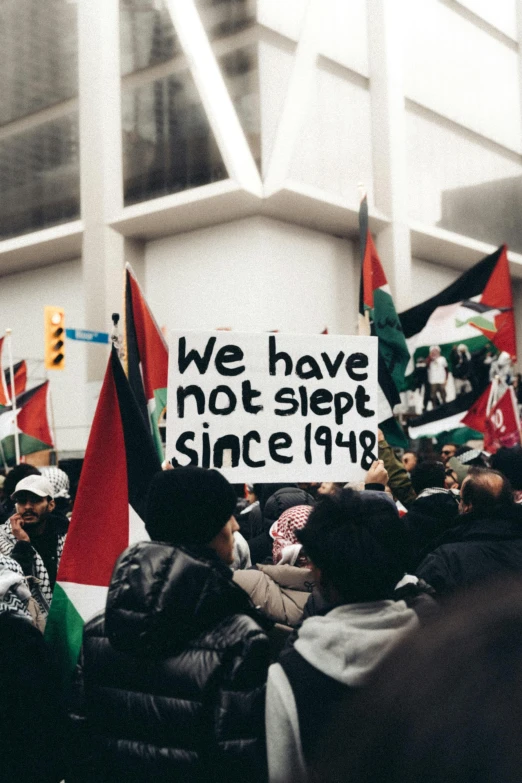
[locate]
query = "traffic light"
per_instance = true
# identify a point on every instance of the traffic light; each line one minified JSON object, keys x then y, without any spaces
{"x":54,"y":327}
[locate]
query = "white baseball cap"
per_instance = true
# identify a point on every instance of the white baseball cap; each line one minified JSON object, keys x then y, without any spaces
{"x":38,"y":485}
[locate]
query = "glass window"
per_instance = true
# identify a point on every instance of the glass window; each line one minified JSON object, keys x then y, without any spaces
{"x":167,"y":140}
{"x":38,"y":56}
{"x":39,"y":160}
{"x":148,"y":37}
{"x":39,"y":177}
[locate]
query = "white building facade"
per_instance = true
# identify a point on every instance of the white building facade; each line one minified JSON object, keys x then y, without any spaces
{"x":221,"y":146}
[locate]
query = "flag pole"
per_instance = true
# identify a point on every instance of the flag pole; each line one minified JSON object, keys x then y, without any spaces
{"x":9,"y":333}
{"x":53,"y":425}
{"x":2,"y":452}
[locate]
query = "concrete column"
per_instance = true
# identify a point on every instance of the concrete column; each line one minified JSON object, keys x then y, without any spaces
{"x":101,"y":182}
{"x":385,"y":33}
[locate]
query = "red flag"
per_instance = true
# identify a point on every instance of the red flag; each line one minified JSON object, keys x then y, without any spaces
{"x":32,"y":418}
{"x":4,"y":396}
{"x":502,"y":425}
{"x":475,"y":418}
{"x":498,"y":293}
{"x":20,"y":378}
{"x":147,"y":357}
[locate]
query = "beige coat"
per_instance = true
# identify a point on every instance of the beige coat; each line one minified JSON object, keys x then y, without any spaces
{"x":280,"y":591}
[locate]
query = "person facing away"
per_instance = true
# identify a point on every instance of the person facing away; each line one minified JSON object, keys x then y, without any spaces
{"x":484,"y":541}
{"x":173,"y":674}
{"x":355,"y":543}
{"x":34,"y":537}
{"x":446,"y":704}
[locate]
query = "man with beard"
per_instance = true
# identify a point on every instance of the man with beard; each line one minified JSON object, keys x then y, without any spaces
{"x":34,"y":537}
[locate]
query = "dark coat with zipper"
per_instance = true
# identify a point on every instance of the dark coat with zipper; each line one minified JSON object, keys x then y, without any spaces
{"x":172,"y":677}
{"x":481,"y":547}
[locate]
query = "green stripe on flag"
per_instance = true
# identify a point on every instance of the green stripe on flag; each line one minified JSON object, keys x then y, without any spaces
{"x":156,"y":408}
{"x":28,"y":445}
{"x":64,"y":632}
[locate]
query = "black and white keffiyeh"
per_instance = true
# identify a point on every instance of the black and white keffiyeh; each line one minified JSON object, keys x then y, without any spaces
{"x":435,"y":491}
{"x":39,"y":581}
{"x":59,"y":481}
{"x":14,"y":589}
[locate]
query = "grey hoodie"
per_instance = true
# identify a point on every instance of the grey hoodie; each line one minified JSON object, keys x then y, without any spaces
{"x":346,"y":644}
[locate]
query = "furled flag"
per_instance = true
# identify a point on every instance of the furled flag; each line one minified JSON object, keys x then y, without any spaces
{"x":377,"y":316}
{"x":146,"y":356}
{"x":32,"y":424}
{"x":4,"y":394}
{"x":476,"y":312}
{"x":120,"y":461}
{"x":20,"y":378}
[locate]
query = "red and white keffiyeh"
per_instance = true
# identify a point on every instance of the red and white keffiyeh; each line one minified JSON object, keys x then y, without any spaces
{"x":283,"y":529}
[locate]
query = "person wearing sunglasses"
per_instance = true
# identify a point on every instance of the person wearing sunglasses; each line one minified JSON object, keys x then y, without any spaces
{"x":448,"y":451}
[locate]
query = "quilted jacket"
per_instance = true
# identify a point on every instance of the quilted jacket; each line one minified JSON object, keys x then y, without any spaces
{"x":172,"y":677}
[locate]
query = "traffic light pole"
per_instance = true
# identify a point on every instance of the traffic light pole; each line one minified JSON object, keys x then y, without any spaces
{"x":9,"y":333}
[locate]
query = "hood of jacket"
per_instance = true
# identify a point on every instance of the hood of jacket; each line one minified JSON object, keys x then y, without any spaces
{"x":350,"y":641}
{"x":161,"y":597}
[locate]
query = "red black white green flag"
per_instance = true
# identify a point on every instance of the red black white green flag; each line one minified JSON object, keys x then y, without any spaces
{"x":377,"y":316}
{"x":475,"y":311}
{"x":32,"y":424}
{"x":20,"y":379}
{"x":5,"y":400}
{"x":120,"y":461}
{"x":146,"y":357}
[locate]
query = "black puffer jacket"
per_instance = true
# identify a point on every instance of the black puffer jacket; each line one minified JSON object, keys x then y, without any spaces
{"x":479,"y":548}
{"x":174,"y":675}
{"x":285,"y":498}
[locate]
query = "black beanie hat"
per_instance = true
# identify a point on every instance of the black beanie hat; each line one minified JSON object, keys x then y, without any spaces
{"x":188,"y":505}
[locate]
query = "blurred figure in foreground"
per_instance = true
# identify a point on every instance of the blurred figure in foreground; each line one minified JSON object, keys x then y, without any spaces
{"x":444,"y":707}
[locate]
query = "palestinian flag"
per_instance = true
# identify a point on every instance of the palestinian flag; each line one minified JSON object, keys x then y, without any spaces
{"x":146,"y":357}
{"x":377,"y":316}
{"x":476,"y":311}
{"x":20,"y":379}
{"x":5,"y":400}
{"x":119,"y":463}
{"x":32,"y":424}
{"x":445,"y":419}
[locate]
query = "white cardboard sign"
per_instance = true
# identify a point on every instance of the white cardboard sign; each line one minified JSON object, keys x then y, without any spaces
{"x":273,"y":407}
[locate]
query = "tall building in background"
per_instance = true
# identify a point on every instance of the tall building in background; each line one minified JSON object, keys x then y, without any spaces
{"x":219,"y":146}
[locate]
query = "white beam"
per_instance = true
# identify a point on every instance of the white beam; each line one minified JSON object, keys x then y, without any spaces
{"x":214,"y":95}
{"x":298,"y":97}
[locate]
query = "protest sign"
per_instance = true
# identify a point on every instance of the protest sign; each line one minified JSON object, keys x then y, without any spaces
{"x":273,"y":407}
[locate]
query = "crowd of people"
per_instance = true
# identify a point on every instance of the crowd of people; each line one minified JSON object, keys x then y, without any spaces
{"x":303,"y":632}
{"x":470,"y":372}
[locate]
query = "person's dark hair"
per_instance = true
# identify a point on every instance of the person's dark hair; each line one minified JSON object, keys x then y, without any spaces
{"x":445,"y":704}
{"x":18,"y":473}
{"x":429,"y":473}
{"x":509,"y":462}
{"x":486,"y":490}
{"x":359,"y":542}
